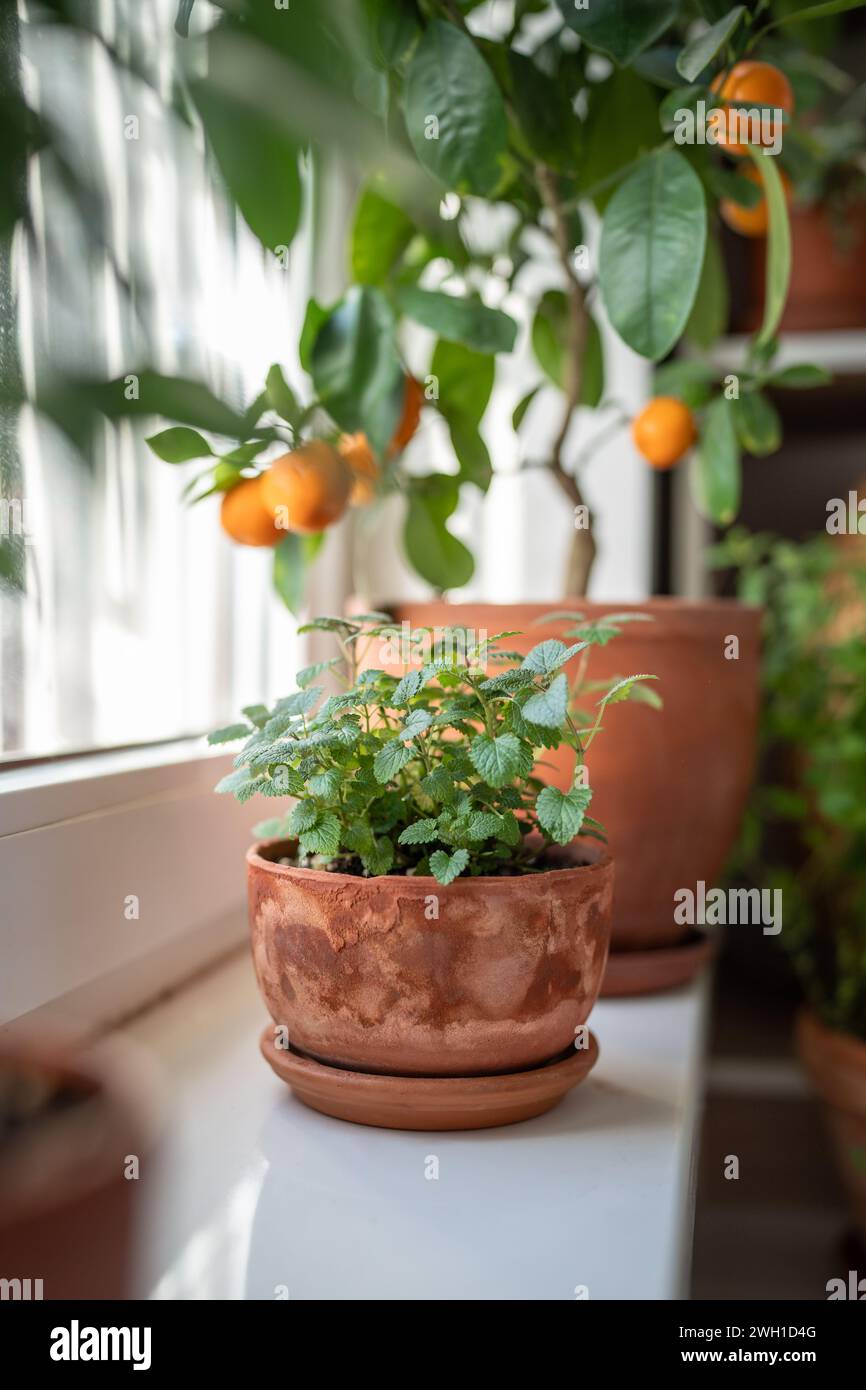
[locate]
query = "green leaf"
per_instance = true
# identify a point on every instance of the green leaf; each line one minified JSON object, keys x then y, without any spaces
{"x":550,"y":345}
{"x":561,"y":813}
{"x":179,"y":445}
{"x":709,"y":317}
{"x":465,"y":380}
{"x":548,"y":708}
{"x":439,"y":785}
{"x":257,"y":714}
{"x":622,"y":123}
{"x":521,"y":408}
{"x":652,"y":252}
{"x":393,"y":25}
{"x":778,"y":274}
{"x":545,"y":114}
{"x":390,"y":759}
{"x":802,"y":377}
{"x":309,"y":673}
{"x":466,"y":321}
{"x":715,"y":473}
{"x":483,"y":824}
{"x":549,"y":655}
{"x":378,"y":857}
{"x":281,"y":397}
{"x":303,"y":816}
{"x":234,"y":782}
{"x":356,"y":369}
{"x":445,"y":867}
{"x":757,"y":423}
{"x":380,"y":234}
{"x":314,"y":317}
{"x":624,"y":689}
{"x":258,"y":161}
{"x":499,"y":760}
{"x":290,"y":571}
{"x":827,"y":7}
{"x":691,"y":382}
{"x":676,"y":102}
{"x":325,"y":785}
{"x":620,"y":28}
{"x":702,"y":50}
{"x":455,"y":114}
{"x":437,"y":555}
{"x":323,"y":837}
{"x":407,"y":686}
{"x":277,"y":828}
{"x":229,"y":734}
{"x":421,"y":832}
{"x":509,"y":830}
{"x":418,"y":721}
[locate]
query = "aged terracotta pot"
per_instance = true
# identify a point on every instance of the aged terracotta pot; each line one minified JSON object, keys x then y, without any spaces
{"x":836,"y":1064}
{"x":71,"y":1121}
{"x":366,"y":977}
{"x":669,"y":785}
{"x":827,"y":290}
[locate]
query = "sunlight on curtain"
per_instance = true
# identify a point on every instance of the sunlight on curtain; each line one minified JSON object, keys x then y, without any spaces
{"x":140,"y":620}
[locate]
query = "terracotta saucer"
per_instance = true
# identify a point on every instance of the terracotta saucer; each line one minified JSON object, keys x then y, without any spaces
{"x":429,"y":1102}
{"x":663,"y":967}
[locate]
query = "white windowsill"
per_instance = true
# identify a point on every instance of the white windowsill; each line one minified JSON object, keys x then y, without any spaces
{"x":255,"y":1192}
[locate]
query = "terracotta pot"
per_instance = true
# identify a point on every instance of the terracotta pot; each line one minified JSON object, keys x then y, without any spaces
{"x":67,"y":1204}
{"x":365,"y":976}
{"x":836,"y":1064}
{"x":828,"y":288}
{"x":670,"y":785}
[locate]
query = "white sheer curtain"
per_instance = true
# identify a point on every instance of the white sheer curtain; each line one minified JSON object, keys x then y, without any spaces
{"x":140,"y":620}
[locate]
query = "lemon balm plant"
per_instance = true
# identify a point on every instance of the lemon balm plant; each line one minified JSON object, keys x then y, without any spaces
{"x":432,"y":773}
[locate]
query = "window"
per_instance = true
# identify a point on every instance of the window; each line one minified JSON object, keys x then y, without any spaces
{"x":138,"y":621}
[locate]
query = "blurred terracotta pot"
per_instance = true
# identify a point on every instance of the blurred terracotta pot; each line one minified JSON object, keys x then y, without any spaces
{"x":402,"y":976}
{"x":77,"y":1136}
{"x":828,"y":289}
{"x":836,"y":1064}
{"x":669,"y":785}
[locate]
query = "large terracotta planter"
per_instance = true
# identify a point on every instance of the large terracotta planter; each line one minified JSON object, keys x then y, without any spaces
{"x":828,"y":289}
{"x":69,"y":1197}
{"x":365,"y":976}
{"x":671,"y":785}
{"x":836,"y":1064}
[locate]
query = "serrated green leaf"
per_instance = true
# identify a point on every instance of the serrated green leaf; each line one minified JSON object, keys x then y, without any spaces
{"x":303,"y":816}
{"x":418,"y":721}
{"x":499,"y":760}
{"x":623,"y":689}
{"x":421,"y":832}
{"x":325,"y":784}
{"x":483,"y":824}
{"x":276,"y":828}
{"x":548,"y":708}
{"x":309,"y":673}
{"x":323,"y":837}
{"x":407,"y":686}
{"x":447,"y":867}
{"x":560,"y":813}
{"x":439,"y":785}
{"x":229,"y":734}
{"x":378,"y":857}
{"x":390,"y":759}
{"x":549,"y":655}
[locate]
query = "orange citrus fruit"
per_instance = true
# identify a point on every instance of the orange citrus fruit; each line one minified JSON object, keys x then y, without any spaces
{"x":355,"y":449}
{"x":751,"y":85}
{"x":307,"y":489}
{"x":754,"y":221}
{"x":663,"y":431}
{"x":413,"y":400}
{"x":246,"y":517}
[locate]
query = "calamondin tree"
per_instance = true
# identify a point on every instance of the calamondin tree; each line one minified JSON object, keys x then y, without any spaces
{"x":432,"y":771}
{"x":605,"y":141}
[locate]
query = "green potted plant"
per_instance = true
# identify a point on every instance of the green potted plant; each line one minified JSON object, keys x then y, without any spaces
{"x":813,"y":736}
{"x":429,"y":933}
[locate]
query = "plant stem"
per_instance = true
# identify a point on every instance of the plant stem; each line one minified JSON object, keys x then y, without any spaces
{"x":582,"y":551}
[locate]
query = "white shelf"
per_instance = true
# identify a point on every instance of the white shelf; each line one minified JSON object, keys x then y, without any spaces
{"x":258,"y":1194}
